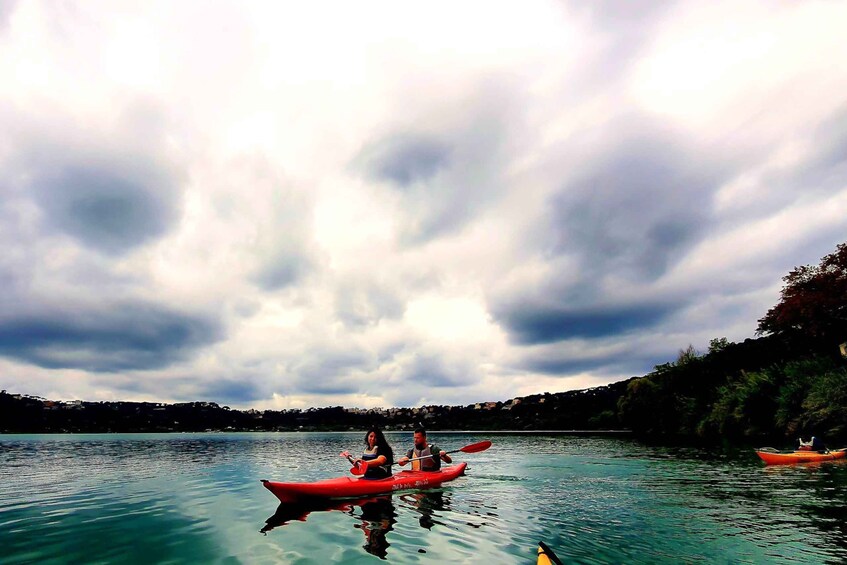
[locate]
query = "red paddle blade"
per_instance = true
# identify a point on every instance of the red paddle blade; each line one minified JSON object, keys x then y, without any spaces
{"x":476,"y":447}
{"x":359,"y":468}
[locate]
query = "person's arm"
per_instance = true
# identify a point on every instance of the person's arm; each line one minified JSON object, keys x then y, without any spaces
{"x":381,"y":460}
{"x":439,"y":453}
{"x":403,"y":460}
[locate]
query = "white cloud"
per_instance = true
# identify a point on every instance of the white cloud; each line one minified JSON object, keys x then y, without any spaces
{"x":724,"y":69}
{"x":389,"y":206}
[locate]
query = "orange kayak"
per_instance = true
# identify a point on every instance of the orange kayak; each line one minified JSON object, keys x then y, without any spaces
{"x":780,"y":458}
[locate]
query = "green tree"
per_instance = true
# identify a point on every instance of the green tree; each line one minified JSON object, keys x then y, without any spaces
{"x":746,"y":406}
{"x":686,"y":356}
{"x":826,"y":404}
{"x":718,"y":344}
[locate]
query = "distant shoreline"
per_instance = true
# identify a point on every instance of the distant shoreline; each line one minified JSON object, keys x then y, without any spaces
{"x":431,"y":433}
{"x":357,"y":432}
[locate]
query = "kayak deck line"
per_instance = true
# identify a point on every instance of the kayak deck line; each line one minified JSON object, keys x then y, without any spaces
{"x":349,"y":487}
{"x":773,"y":457}
{"x":546,"y":555}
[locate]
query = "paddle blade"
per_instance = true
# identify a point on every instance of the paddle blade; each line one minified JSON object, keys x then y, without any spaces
{"x":476,"y":447}
{"x":359,"y":468}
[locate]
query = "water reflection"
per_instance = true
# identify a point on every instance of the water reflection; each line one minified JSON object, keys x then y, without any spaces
{"x":375,"y":518}
{"x":427,"y":503}
{"x":378,"y":518}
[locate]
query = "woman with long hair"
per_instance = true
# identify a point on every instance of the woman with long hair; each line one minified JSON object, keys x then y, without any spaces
{"x":378,"y":455}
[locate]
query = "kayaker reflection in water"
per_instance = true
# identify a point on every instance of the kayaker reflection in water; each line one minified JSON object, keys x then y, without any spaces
{"x":378,"y":518}
{"x":378,"y":455}
{"x":428,"y":504}
{"x":432,"y":456}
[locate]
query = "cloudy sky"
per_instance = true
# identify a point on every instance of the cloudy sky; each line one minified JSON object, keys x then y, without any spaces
{"x":281,"y":205}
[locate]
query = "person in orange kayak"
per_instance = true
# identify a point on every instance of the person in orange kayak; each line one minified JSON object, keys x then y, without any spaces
{"x":812,"y":445}
{"x":432,"y":456}
{"x":377,"y":454}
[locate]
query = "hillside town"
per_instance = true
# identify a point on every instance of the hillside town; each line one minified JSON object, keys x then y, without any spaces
{"x":588,"y":409}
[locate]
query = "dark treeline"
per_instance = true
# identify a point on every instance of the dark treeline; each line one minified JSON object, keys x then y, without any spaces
{"x":790,"y":381}
{"x":764,"y":388}
{"x":584,"y":409}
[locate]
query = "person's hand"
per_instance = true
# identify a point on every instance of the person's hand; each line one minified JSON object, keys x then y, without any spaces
{"x":442,"y":453}
{"x":402,"y":461}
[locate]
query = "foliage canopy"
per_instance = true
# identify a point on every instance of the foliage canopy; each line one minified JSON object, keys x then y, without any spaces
{"x":813,"y":301}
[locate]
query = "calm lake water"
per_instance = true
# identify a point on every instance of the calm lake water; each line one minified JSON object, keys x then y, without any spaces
{"x":196,"y":498}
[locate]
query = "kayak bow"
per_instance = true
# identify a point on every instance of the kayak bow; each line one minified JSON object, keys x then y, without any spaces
{"x":347,"y":487}
{"x":773,"y":457}
{"x":546,"y":555}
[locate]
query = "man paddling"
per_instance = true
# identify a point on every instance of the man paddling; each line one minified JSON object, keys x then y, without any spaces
{"x":429,"y":454}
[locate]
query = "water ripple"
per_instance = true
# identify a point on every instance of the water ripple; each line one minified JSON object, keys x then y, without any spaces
{"x":190,"y":498}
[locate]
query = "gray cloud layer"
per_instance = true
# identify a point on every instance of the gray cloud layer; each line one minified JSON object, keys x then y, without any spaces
{"x":122,"y":336}
{"x":638,"y":203}
{"x":569,"y":193}
{"x":531,"y":324}
{"x":110,"y":210}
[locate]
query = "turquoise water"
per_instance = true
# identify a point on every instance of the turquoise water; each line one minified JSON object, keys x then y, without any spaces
{"x":196,"y":498}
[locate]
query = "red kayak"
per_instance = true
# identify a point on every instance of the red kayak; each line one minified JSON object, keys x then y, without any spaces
{"x":347,"y":487}
{"x":773,"y":457}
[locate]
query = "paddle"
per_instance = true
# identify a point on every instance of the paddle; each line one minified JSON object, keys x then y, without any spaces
{"x":359,"y":469}
{"x":472,"y":448}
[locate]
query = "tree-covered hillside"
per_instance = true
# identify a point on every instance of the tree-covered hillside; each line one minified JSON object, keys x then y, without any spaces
{"x":790,"y":382}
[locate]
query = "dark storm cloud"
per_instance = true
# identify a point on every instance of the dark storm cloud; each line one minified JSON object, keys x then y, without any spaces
{"x":121,"y":337}
{"x":188,"y":388}
{"x":228,"y":391}
{"x":638,"y":205}
{"x":532,"y":324}
{"x":283,"y":271}
{"x":329,"y":363}
{"x":446,"y":177}
{"x":329,"y":385}
{"x":631,"y":208}
{"x":432,"y":370}
{"x":112,"y":209}
{"x":628,"y":363}
{"x":826,"y":169}
{"x":327,"y":371}
{"x":405,"y":159}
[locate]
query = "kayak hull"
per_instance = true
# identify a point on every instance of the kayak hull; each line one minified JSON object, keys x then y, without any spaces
{"x":546,"y":555}
{"x":349,"y":487}
{"x":771,"y":458}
